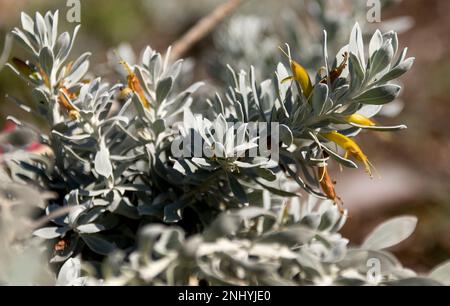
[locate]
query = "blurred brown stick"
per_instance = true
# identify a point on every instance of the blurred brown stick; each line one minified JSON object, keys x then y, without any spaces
{"x":60,"y":212}
{"x":203,"y":27}
{"x":6,"y":50}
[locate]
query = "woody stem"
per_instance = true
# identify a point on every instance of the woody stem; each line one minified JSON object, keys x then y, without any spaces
{"x":203,"y":27}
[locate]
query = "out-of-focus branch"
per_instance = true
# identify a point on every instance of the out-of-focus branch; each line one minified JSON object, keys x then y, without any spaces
{"x":6,"y":50}
{"x":53,"y":215}
{"x":203,"y":27}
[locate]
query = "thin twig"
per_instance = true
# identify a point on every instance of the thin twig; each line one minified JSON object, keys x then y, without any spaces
{"x":203,"y":27}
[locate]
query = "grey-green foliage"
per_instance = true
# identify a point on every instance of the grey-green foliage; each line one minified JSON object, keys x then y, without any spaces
{"x":254,"y":246}
{"x":250,"y":38}
{"x":22,"y":258}
{"x":164,"y":219}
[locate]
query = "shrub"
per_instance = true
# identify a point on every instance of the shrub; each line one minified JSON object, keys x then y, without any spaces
{"x":128,"y":210}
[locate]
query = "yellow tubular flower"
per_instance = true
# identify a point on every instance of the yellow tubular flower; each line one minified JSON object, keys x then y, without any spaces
{"x":359,"y":120}
{"x":351,"y":148}
{"x":302,"y":77}
{"x":135,"y":85}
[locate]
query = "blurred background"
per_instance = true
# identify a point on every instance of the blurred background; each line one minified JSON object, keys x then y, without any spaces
{"x":414,"y":164}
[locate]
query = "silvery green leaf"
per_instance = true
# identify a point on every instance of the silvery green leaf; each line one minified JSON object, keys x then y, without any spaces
{"x":325,"y":49}
{"x":229,"y":223}
{"x":402,"y":57}
{"x":378,"y":95}
{"x":62,"y":46}
{"x":381,"y":128}
{"x":237,"y":189}
{"x":358,"y":259}
{"x":90,"y":228}
{"x":266,"y":174}
{"x":70,"y":273}
{"x":23,"y":39}
{"x":339,"y":94}
{"x":356,"y":72}
{"x":394,"y":37}
{"x":163,"y":88}
{"x":175,"y":69}
{"x":76,"y":75}
{"x":50,"y":232}
{"x":79,"y":69}
{"x":370,"y":110}
{"x":40,"y":29}
{"x":441,"y":273}
{"x":319,"y":98}
{"x":75,"y":212}
{"x":375,"y":43}
{"x":156,"y":66}
{"x":381,"y":58}
{"x":390,"y":233}
{"x":356,"y":44}
{"x":329,"y":219}
{"x":397,"y":71}
{"x":311,"y":220}
{"x":281,"y":74}
{"x":147,"y":55}
{"x":53,"y":22}
{"x":292,"y":236}
{"x":72,"y":41}
{"x":286,"y":135}
{"x":415,"y":281}
{"x":102,"y":162}
{"x":46,"y":60}
{"x":123,"y":207}
{"x":27,"y":22}
{"x":98,"y":244}
{"x":173,"y":212}
{"x":345,"y":162}
{"x":159,"y":126}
